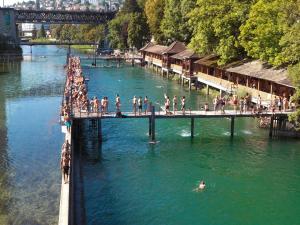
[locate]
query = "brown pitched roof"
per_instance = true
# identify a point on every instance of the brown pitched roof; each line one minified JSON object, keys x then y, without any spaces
{"x":209,"y":60}
{"x":260,"y":70}
{"x":148,"y":45}
{"x":157,"y":49}
{"x":175,"y":48}
{"x":186,"y":54}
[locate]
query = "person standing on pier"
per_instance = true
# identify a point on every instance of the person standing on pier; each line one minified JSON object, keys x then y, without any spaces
{"x":175,"y":103}
{"x":167,"y":104}
{"x":183,"y":104}
{"x":241,"y":105}
{"x":65,"y":166}
{"x":118,"y":105}
{"x":106,"y":102}
{"x":140,"y":105}
{"x":134,"y":103}
{"x":146,"y":101}
{"x":215,"y":103}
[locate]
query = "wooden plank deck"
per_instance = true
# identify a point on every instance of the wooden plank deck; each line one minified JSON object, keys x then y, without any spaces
{"x":177,"y":115}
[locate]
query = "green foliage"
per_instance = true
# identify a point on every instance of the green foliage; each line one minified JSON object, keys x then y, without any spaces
{"x":41,"y":33}
{"x":118,"y":33}
{"x":131,"y":6}
{"x":261,"y":33}
{"x":174,"y":25}
{"x":138,"y":32}
{"x":129,"y":28}
{"x":154,"y":10}
{"x":294,"y":73}
{"x":290,"y":44}
{"x":216,"y":27}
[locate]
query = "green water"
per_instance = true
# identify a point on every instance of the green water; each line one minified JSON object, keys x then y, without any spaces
{"x":250,"y":179}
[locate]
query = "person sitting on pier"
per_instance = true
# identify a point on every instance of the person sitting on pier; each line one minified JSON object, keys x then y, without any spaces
{"x":140,"y":105}
{"x":175,"y":103}
{"x":146,"y":101}
{"x":134,"y":103}
{"x":183,"y":104}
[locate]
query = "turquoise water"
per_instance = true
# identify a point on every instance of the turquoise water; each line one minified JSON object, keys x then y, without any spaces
{"x":250,"y":179}
{"x":30,"y":95}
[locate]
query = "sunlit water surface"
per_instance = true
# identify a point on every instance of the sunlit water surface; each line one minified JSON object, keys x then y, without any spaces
{"x":250,"y":179}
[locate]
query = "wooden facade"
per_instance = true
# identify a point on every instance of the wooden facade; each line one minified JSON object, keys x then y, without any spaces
{"x":177,"y":59}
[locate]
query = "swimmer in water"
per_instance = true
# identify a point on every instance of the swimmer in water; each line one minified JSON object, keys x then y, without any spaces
{"x":201,"y":185}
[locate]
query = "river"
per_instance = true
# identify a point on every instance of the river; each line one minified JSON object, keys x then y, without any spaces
{"x":250,"y":179}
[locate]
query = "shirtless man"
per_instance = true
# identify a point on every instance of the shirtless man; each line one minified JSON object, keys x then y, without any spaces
{"x":65,"y":166}
{"x":167,"y":104}
{"x":118,"y":104}
{"x":183,"y":105}
{"x":134,"y":103}
{"x":175,"y":103}
{"x":146,"y":101}
{"x":140,"y":105}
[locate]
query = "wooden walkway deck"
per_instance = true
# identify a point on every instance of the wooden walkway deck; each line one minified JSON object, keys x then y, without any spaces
{"x":179,"y":115}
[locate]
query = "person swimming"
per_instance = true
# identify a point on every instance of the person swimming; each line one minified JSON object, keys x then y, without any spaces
{"x":201,"y":185}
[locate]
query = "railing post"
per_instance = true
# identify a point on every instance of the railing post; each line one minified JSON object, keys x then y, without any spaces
{"x":192,"y":127}
{"x":232,"y":126}
{"x":153,"y":124}
{"x":271,"y":127}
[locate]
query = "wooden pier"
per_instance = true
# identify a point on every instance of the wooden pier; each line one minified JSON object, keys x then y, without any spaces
{"x":189,"y":115}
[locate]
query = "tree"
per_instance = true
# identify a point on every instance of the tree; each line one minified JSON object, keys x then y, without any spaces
{"x":138,"y":32}
{"x":217,"y":28}
{"x":130,"y":6}
{"x":261,"y":33}
{"x":41,"y":33}
{"x":96,"y":34}
{"x":172,"y":24}
{"x":118,"y":33}
{"x":154,"y":10}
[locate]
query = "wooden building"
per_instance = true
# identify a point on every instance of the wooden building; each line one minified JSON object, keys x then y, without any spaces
{"x":253,"y":77}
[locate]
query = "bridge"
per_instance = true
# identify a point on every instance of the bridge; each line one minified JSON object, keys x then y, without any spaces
{"x":62,"y":16}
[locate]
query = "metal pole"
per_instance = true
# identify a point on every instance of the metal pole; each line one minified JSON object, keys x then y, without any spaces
{"x":150,"y":124}
{"x":192,"y":127}
{"x":232,"y":126}
{"x":153,"y":124}
{"x":271,"y":127}
{"x":100,"y":130}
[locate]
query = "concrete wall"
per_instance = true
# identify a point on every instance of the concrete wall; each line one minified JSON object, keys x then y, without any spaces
{"x":8,"y":25}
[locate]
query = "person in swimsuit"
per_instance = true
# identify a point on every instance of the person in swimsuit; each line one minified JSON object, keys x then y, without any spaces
{"x":183,"y":105}
{"x":146,"y":101}
{"x":134,"y":103}
{"x":118,"y":105}
{"x":175,"y":103}
{"x":202,"y":185}
{"x":167,"y":104}
{"x":140,"y":105}
{"x":65,"y":166}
